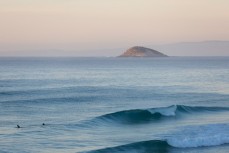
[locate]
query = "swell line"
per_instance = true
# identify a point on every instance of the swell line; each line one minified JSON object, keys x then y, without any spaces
{"x":135,"y":116}
{"x":154,"y":146}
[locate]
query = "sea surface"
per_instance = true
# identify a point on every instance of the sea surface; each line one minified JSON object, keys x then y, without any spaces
{"x":114,"y":105}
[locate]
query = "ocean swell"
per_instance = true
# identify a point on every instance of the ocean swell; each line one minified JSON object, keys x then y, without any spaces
{"x":135,"y":116}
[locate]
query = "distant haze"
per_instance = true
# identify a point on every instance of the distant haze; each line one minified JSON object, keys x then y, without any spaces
{"x":205,"y":48}
{"x":108,"y":27}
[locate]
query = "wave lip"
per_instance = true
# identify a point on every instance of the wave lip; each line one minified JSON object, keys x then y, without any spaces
{"x":165,"y":111}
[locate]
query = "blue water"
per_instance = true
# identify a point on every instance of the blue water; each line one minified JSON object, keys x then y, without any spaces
{"x":104,"y":105}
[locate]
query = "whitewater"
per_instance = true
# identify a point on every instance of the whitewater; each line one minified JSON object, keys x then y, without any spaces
{"x":118,"y":105}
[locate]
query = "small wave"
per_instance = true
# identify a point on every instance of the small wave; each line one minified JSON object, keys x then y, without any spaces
{"x":153,"y":114}
{"x":139,"y":115}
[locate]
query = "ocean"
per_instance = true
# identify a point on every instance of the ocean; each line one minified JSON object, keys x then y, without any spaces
{"x":114,"y":105}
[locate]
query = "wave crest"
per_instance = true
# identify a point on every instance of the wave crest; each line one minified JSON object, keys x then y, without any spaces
{"x":165,"y":111}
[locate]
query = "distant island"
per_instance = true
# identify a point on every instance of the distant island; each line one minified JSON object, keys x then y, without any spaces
{"x":138,"y":51}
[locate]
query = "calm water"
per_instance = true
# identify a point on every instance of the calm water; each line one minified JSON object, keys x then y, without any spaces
{"x":99,"y":105}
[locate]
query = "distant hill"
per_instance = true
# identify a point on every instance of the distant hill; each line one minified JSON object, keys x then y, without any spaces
{"x":138,"y":51}
{"x":204,"y":48}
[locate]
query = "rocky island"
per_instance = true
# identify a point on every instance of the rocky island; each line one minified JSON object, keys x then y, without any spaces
{"x":138,"y":51}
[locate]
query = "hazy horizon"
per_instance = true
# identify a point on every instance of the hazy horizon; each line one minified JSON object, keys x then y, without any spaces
{"x":107,"y":28}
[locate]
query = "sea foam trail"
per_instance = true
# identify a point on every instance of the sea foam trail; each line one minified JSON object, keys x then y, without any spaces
{"x":187,"y":137}
{"x":197,"y":136}
{"x":146,"y":115}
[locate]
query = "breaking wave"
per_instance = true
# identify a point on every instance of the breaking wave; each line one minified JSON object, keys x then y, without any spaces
{"x":144,"y":115}
{"x":188,"y":137}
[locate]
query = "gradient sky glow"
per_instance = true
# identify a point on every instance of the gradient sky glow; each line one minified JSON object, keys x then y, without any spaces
{"x":99,"y":27}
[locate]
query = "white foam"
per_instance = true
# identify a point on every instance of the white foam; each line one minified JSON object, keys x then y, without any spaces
{"x":197,"y":136}
{"x":166,"y":111}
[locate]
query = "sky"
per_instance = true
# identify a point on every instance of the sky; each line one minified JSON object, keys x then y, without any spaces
{"x":106,"y":27}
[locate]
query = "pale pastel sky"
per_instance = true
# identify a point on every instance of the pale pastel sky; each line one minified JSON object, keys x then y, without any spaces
{"x":100,"y":27}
